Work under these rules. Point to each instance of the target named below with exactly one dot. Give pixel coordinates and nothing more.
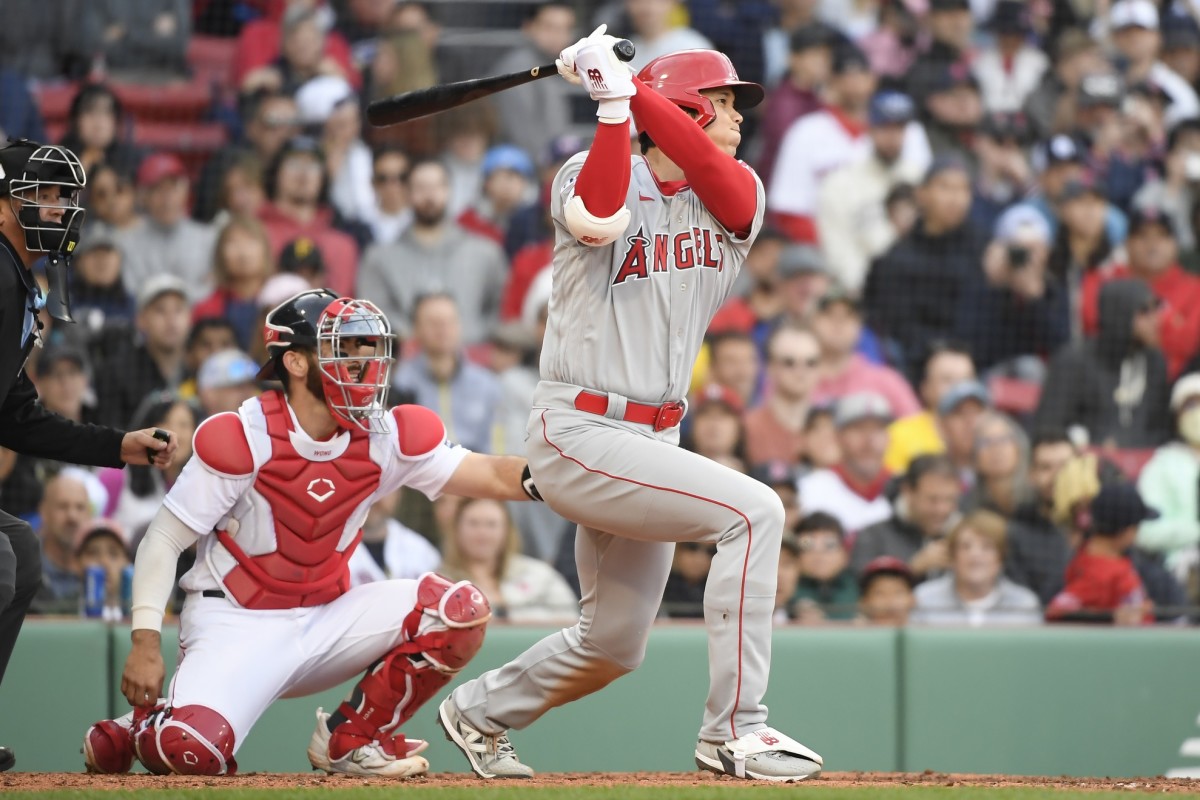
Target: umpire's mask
(44, 196)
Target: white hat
(1133, 14)
(1021, 224)
(281, 287)
(1186, 387)
(316, 99)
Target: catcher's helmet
(681, 76)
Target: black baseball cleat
(7, 759)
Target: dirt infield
(47, 781)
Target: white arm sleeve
(154, 568)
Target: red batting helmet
(681, 76)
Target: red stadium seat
(1129, 460)
(177, 102)
(1015, 396)
(211, 60)
(193, 142)
(54, 100)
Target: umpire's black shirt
(25, 426)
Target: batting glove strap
(527, 485)
(614, 111)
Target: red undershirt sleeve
(603, 182)
(725, 186)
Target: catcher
(275, 498)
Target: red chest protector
(310, 502)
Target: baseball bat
(423, 102)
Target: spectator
(439, 377)
(138, 493)
(755, 308)
(170, 242)
(1062, 161)
(226, 380)
(809, 64)
(99, 299)
(1038, 547)
(736, 29)
(951, 29)
(306, 48)
(242, 264)
(852, 490)
(733, 363)
(1135, 32)
(952, 112)
(65, 509)
(142, 42)
(1181, 49)
(1013, 309)
(484, 550)
(912, 294)
(654, 31)
(530, 229)
(298, 191)
(975, 592)
(1128, 143)
(838, 328)
(852, 220)
(822, 449)
(1101, 582)
(822, 141)
(1012, 68)
(512, 359)
(329, 111)
(1001, 460)
(827, 589)
(300, 259)
(683, 596)
(20, 116)
(792, 17)
(959, 412)
(1002, 170)
(270, 120)
(803, 280)
(98, 130)
(155, 362)
(435, 255)
(775, 429)
(1082, 244)
(946, 365)
(361, 23)
(507, 183)
(892, 46)
(532, 115)
(207, 336)
(1051, 106)
(389, 550)
(1175, 191)
(1153, 257)
(717, 431)
(1169, 482)
(923, 514)
(391, 213)
(104, 543)
(885, 592)
(35, 42)
(411, 56)
(466, 133)
(1114, 386)
(111, 203)
(788, 578)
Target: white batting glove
(566, 59)
(608, 79)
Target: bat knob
(624, 50)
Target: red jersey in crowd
(1098, 583)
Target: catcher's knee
(448, 624)
(187, 740)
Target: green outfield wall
(1060, 701)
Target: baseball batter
(274, 499)
(647, 248)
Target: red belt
(668, 415)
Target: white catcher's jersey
(206, 499)
(630, 317)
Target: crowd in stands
(964, 350)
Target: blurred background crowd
(965, 350)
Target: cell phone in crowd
(1018, 257)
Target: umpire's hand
(136, 443)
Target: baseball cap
(1185, 388)
(960, 393)
(1133, 14)
(1100, 89)
(1001, 126)
(891, 108)
(849, 58)
(317, 98)
(101, 527)
(1010, 17)
(953, 76)
(776, 473)
(947, 162)
(158, 167)
(159, 285)
(1063, 149)
(839, 294)
(1088, 183)
(301, 255)
(1022, 223)
(801, 259)
(1149, 215)
(52, 356)
(713, 394)
(96, 241)
(13, 158)
(884, 565)
(1181, 34)
(861, 406)
(507, 156)
(809, 36)
(1152, 89)
(949, 5)
(226, 368)
(279, 288)
(1119, 506)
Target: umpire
(40, 214)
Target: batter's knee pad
(188, 740)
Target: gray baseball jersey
(628, 319)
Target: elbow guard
(592, 230)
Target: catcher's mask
(353, 344)
(43, 183)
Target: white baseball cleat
(764, 755)
(490, 756)
(371, 760)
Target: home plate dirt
(44, 781)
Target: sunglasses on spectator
(791, 363)
(388, 177)
(696, 547)
(991, 441)
(278, 121)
